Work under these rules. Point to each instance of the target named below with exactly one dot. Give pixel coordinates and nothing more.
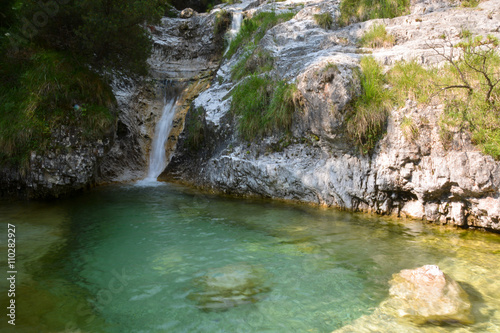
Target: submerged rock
(226, 287)
(427, 295)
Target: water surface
(143, 259)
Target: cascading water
(236, 24)
(157, 158)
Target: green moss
(376, 37)
(470, 3)
(352, 11)
(264, 106)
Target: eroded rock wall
(406, 175)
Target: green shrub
(264, 106)
(324, 20)
(39, 95)
(253, 29)
(352, 11)
(376, 37)
(368, 117)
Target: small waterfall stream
(157, 158)
(236, 24)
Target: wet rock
(427, 295)
(226, 287)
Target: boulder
(187, 13)
(427, 295)
(226, 287)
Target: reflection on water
(164, 259)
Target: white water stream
(157, 159)
(236, 24)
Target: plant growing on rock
(377, 37)
(255, 61)
(264, 106)
(474, 79)
(253, 29)
(222, 21)
(367, 118)
(352, 11)
(324, 20)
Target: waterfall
(157, 158)
(236, 24)
(235, 27)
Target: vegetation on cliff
(264, 106)
(352, 11)
(55, 62)
(253, 29)
(468, 86)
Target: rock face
(70, 164)
(427, 295)
(185, 51)
(412, 176)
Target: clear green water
(134, 259)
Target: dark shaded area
(198, 5)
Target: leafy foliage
(52, 59)
(468, 86)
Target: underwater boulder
(226, 287)
(427, 295)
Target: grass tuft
(368, 117)
(377, 37)
(253, 29)
(352, 11)
(264, 106)
(324, 20)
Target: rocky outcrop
(185, 51)
(412, 175)
(71, 163)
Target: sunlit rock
(426, 294)
(226, 287)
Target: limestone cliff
(419, 178)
